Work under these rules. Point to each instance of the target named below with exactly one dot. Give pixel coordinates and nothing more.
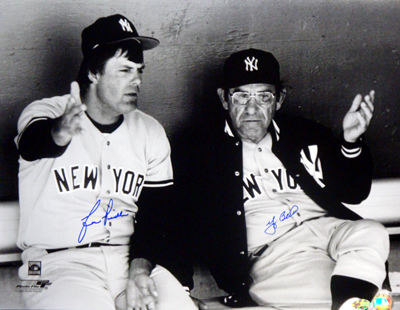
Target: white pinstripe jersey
(89, 193)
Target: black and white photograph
(200, 154)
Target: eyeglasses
(264, 98)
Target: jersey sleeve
(34, 140)
(348, 168)
(313, 154)
(357, 172)
(159, 172)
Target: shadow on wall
(52, 68)
(328, 52)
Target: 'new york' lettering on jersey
(86, 178)
(283, 182)
(57, 193)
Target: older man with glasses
(272, 224)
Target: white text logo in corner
(34, 268)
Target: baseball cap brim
(147, 43)
(110, 30)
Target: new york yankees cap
(250, 66)
(113, 29)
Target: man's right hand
(141, 293)
(70, 123)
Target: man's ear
(282, 97)
(221, 94)
(93, 77)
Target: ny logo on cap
(251, 64)
(125, 25)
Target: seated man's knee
(373, 227)
(375, 234)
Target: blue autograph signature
(273, 224)
(105, 217)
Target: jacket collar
(228, 129)
(276, 129)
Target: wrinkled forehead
(254, 88)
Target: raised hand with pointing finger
(69, 124)
(93, 145)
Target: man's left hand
(357, 119)
(201, 305)
(141, 293)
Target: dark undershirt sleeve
(159, 235)
(36, 141)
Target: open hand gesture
(69, 124)
(357, 119)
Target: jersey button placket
(108, 167)
(265, 174)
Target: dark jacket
(211, 187)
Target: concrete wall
(329, 51)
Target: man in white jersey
(85, 158)
(268, 198)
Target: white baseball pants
(92, 278)
(297, 267)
